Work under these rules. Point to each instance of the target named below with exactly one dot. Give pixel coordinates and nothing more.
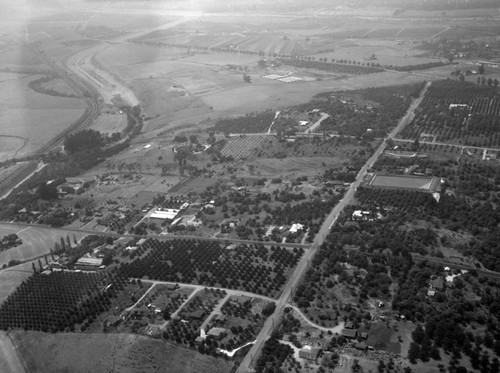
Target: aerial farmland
(249, 186)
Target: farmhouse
(426, 184)
(437, 283)
(349, 333)
(71, 186)
(309, 353)
(196, 315)
(217, 333)
(360, 214)
(220, 318)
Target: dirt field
(97, 353)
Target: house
(71, 186)
(220, 318)
(195, 315)
(359, 214)
(199, 340)
(437, 284)
(309, 353)
(363, 335)
(349, 333)
(217, 333)
(349, 325)
(296, 227)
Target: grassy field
(109, 353)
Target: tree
(108, 259)
(247, 78)
(416, 145)
(413, 352)
(356, 368)
(166, 314)
(47, 192)
(481, 69)
(269, 309)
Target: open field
(32, 117)
(186, 89)
(110, 121)
(36, 241)
(109, 352)
(10, 361)
(11, 146)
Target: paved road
(300, 270)
(10, 361)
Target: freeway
(305, 262)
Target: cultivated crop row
(59, 300)
(458, 111)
